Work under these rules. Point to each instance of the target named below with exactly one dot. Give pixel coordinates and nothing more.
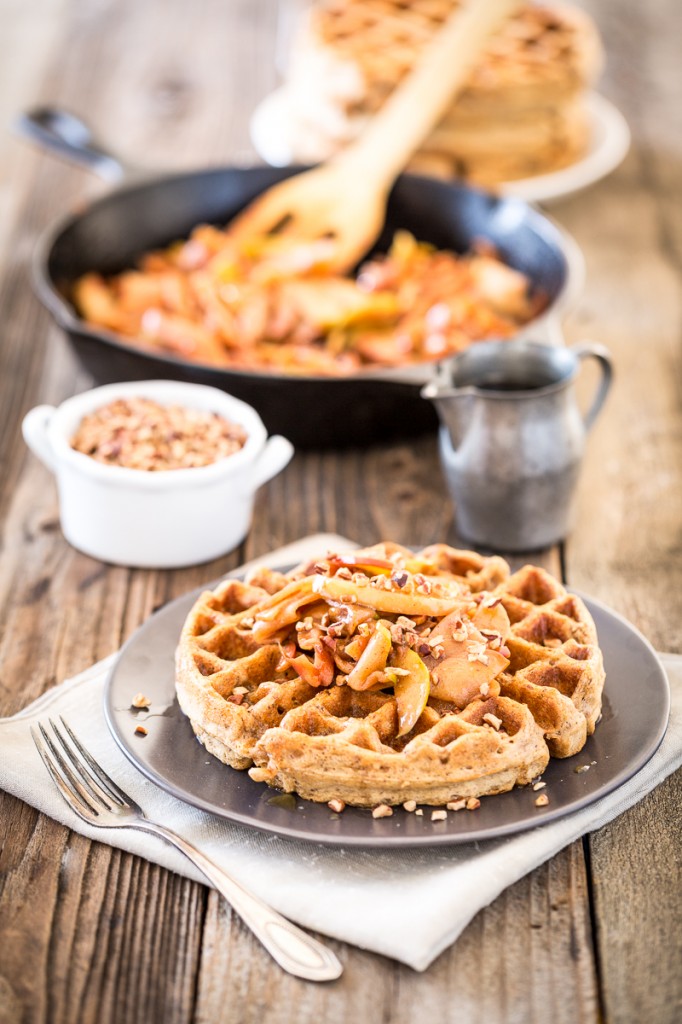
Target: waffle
(522, 110)
(387, 675)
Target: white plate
(610, 142)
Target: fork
(96, 798)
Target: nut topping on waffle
(386, 676)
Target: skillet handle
(67, 136)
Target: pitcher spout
(453, 406)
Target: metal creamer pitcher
(512, 438)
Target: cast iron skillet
(149, 212)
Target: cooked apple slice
(362, 561)
(459, 681)
(373, 659)
(492, 619)
(393, 602)
(505, 289)
(411, 690)
(281, 609)
(468, 666)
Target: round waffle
(385, 676)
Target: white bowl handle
(274, 457)
(34, 429)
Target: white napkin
(409, 905)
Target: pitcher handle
(589, 350)
(67, 136)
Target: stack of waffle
(522, 112)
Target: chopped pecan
(382, 811)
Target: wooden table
(88, 933)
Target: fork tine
(114, 791)
(72, 770)
(70, 794)
(98, 794)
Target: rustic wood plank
(68, 960)
(88, 933)
(20, 78)
(626, 549)
(636, 879)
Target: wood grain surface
(91, 934)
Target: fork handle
(293, 949)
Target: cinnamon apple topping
(278, 307)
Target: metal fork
(96, 798)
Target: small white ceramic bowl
(164, 519)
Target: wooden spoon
(344, 200)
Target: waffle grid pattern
(250, 709)
(522, 112)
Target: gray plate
(635, 715)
